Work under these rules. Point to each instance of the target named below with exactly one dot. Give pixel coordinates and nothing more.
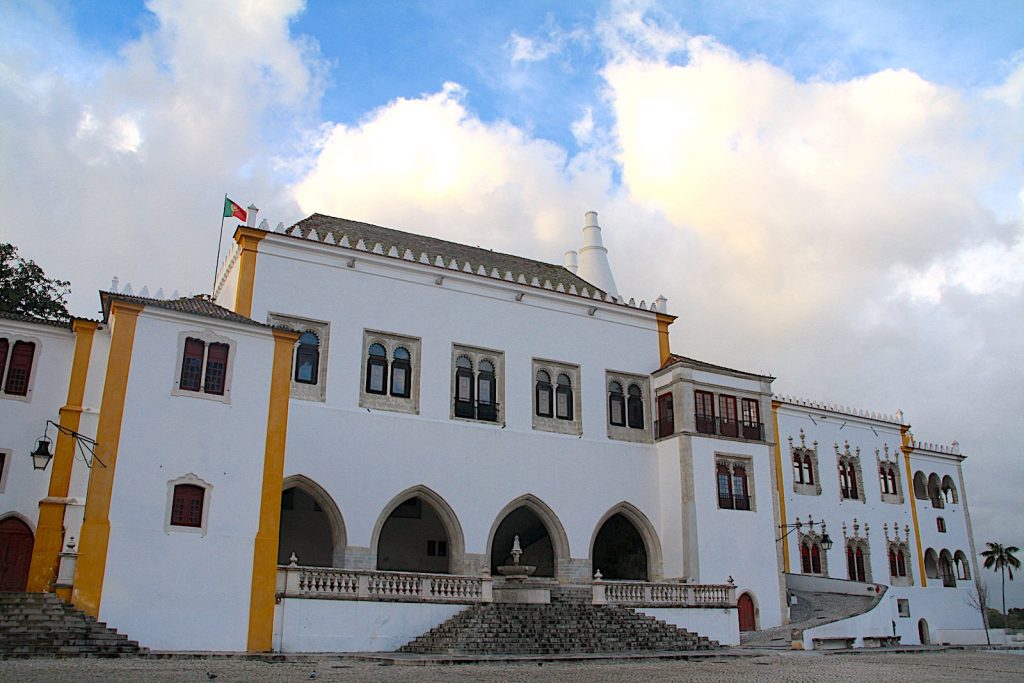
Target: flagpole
(220, 238)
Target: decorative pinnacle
(517, 550)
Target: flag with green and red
(232, 209)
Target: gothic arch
(21, 518)
(646, 530)
(339, 536)
(450, 521)
(556, 532)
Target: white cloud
(553, 41)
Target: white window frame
(390, 341)
(322, 330)
(193, 480)
(36, 353)
(208, 337)
(625, 432)
(554, 423)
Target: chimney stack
(251, 216)
(593, 259)
(572, 264)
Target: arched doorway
(619, 550)
(745, 609)
(16, 543)
(311, 525)
(922, 632)
(414, 539)
(534, 539)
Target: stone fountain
(516, 588)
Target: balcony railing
(663, 594)
(723, 426)
(354, 584)
(734, 502)
(476, 410)
(664, 428)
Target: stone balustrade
(642, 593)
(353, 584)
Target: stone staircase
(569, 625)
(39, 624)
(811, 609)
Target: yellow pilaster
(664, 321)
(907, 449)
(42, 571)
(92, 557)
(248, 242)
(264, 561)
(779, 485)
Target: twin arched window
(377, 371)
(803, 469)
(848, 479)
(625, 409)
(856, 566)
(810, 556)
(476, 393)
(554, 400)
(887, 479)
(897, 560)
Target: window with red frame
(727, 423)
(19, 367)
(751, 419)
(204, 367)
(704, 406)
(187, 505)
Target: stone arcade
(364, 432)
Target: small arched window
(805, 557)
(463, 387)
(962, 571)
(815, 559)
(893, 486)
(635, 407)
(187, 506)
(401, 372)
(616, 405)
(808, 470)
(563, 398)
(893, 569)
(544, 394)
(376, 369)
(901, 563)
(307, 359)
(487, 408)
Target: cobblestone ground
(974, 666)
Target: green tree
(1002, 559)
(25, 289)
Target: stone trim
(391, 341)
(555, 424)
(322, 330)
(643, 434)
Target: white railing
(663, 594)
(356, 584)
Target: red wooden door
(745, 607)
(15, 554)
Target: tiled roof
(21, 317)
(676, 358)
(195, 305)
(432, 251)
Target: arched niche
(410, 531)
(613, 546)
(541, 535)
(311, 525)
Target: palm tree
(1001, 558)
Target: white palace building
(338, 450)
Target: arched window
(401, 372)
(935, 491)
(376, 369)
(949, 490)
(486, 392)
(848, 480)
(739, 488)
(963, 571)
(901, 563)
(891, 477)
(464, 387)
(815, 559)
(187, 506)
(544, 397)
(805, 557)
(798, 469)
(307, 359)
(893, 569)
(808, 470)
(19, 368)
(616, 405)
(563, 398)
(724, 486)
(883, 479)
(635, 407)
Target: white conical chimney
(572, 263)
(594, 266)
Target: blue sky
(832, 193)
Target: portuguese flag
(232, 209)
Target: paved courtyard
(974, 666)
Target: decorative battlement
(117, 288)
(226, 265)
(896, 418)
(327, 236)
(952, 449)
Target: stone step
(39, 624)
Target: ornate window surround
(813, 540)
(854, 543)
(803, 452)
(846, 459)
(555, 424)
(193, 480)
(888, 465)
(208, 337)
(624, 432)
(896, 547)
(391, 341)
(731, 462)
(322, 330)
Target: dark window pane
(192, 365)
(20, 368)
(216, 369)
(187, 505)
